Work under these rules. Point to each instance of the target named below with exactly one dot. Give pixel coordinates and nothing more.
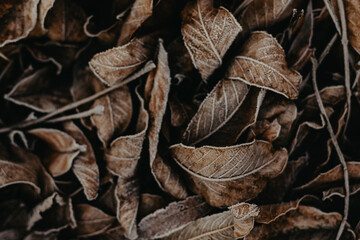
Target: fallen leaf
(17, 19)
(62, 151)
(228, 175)
(157, 88)
(220, 119)
(261, 63)
(64, 22)
(232, 224)
(331, 178)
(140, 11)
(174, 217)
(21, 167)
(90, 220)
(265, 130)
(116, 116)
(208, 33)
(42, 9)
(115, 64)
(304, 222)
(352, 11)
(127, 196)
(149, 203)
(125, 151)
(40, 92)
(262, 14)
(84, 167)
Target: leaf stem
(337, 148)
(148, 67)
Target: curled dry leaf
(21, 167)
(232, 224)
(127, 196)
(208, 33)
(17, 19)
(157, 88)
(124, 152)
(43, 8)
(304, 222)
(116, 116)
(84, 167)
(265, 130)
(352, 10)
(63, 149)
(226, 112)
(228, 175)
(340, 191)
(37, 92)
(174, 217)
(261, 14)
(332, 178)
(65, 21)
(140, 11)
(90, 220)
(261, 63)
(116, 64)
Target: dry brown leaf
(90, 220)
(84, 167)
(333, 177)
(262, 14)
(124, 152)
(208, 33)
(63, 149)
(116, 116)
(140, 11)
(303, 223)
(117, 63)
(17, 19)
(40, 91)
(42, 10)
(228, 175)
(232, 224)
(352, 10)
(64, 22)
(21, 167)
(261, 63)
(157, 88)
(265, 130)
(340, 191)
(181, 113)
(174, 217)
(221, 117)
(127, 196)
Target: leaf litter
(179, 119)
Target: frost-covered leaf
(261, 63)
(208, 33)
(228, 175)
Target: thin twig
(322, 57)
(333, 16)
(98, 110)
(148, 67)
(337, 148)
(344, 41)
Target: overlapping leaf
(208, 33)
(227, 175)
(261, 63)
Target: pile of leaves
(142, 119)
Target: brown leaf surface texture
(165, 176)
(84, 167)
(227, 175)
(208, 33)
(117, 63)
(261, 63)
(352, 9)
(17, 19)
(64, 149)
(174, 217)
(124, 152)
(140, 11)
